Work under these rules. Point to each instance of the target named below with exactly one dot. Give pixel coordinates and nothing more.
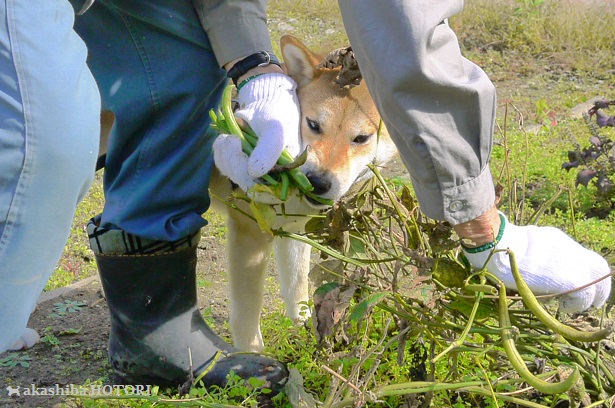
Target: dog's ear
(299, 62)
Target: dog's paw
(252, 346)
(300, 314)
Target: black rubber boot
(157, 329)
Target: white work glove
(269, 104)
(549, 262)
(233, 163)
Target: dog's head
(339, 126)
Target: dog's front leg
(293, 264)
(249, 250)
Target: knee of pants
(48, 76)
(67, 136)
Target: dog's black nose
(320, 182)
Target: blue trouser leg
(49, 127)
(157, 74)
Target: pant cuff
(119, 242)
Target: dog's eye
(361, 139)
(313, 125)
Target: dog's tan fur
(341, 147)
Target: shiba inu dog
(341, 128)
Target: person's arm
(235, 28)
(267, 96)
(438, 107)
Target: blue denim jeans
(157, 73)
(49, 128)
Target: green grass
(568, 35)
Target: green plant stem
(157, 400)
(507, 398)
(415, 232)
(229, 116)
(461, 339)
(516, 360)
(552, 323)
(602, 403)
(320, 247)
(419, 387)
(541, 209)
(572, 217)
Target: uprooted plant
(402, 319)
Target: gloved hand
(549, 262)
(233, 163)
(269, 104)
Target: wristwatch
(259, 59)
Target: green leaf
(255, 382)
(361, 309)
(69, 331)
(264, 215)
(464, 306)
(326, 288)
(357, 247)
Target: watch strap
(258, 59)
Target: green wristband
(245, 81)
